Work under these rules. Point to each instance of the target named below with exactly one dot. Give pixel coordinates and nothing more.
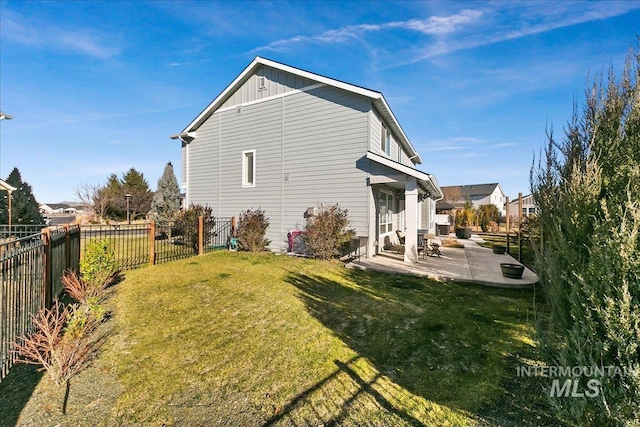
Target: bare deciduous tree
(94, 197)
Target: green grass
(277, 341)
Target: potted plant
(464, 218)
(499, 249)
(512, 271)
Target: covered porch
(402, 200)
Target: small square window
(262, 83)
(249, 168)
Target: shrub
(464, 217)
(98, 267)
(327, 233)
(186, 224)
(587, 188)
(252, 227)
(62, 355)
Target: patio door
(401, 215)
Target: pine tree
(24, 208)
(166, 200)
(135, 184)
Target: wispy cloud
(457, 143)
(46, 35)
(432, 26)
(439, 35)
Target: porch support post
(411, 222)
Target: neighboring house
(479, 194)
(57, 208)
(529, 206)
(286, 140)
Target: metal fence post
(67, 247)
(152, 243)
(48, 282)
(200, 235)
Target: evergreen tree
(587, 187)
(166, 200)
(113, 193)
(24, 208)
(135, 184)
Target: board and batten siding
(312, 138)
(276, 82)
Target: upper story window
(249, 168)
(388, 144)
(385, 140)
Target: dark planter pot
(512, 271)
(498, 249)
(463, 233)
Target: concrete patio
(473, 264)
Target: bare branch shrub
(327, 233)
(252, 227)
(61, 355)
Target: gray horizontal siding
(315, 137)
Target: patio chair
(430, 248)
(401, 237)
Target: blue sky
(97, 87)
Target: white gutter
(422, 176)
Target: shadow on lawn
(16, 390)
(446, 343)
(336, 408)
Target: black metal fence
(129, 242)
(31, 269)
(19, 230)
(155, 243)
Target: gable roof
(474, 189)
(376, 97)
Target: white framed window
(388, 144)
(383, 138)
(385, 214)
(249, 168)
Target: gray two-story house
(287, 140)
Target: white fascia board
(422, 176)
(382, 104)
(237, 82)
(7, 187)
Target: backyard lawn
(242, 339)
